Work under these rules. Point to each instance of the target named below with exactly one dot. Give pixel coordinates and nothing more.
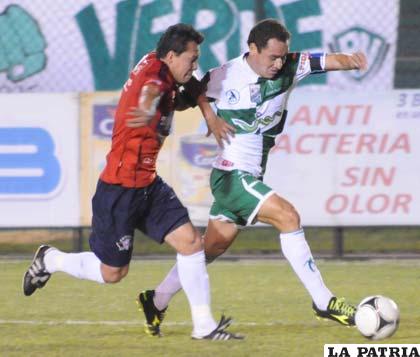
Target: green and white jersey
(256, 107)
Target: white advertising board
(39, 160)
(350, 158)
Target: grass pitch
(70, 317)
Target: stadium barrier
(344, 159)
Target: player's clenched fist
(359, 60)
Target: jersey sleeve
(214, 84)
(309, 63)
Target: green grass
(80, 318)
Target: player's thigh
(279, 213)
(113, 224)
(165, 213)
(219, 236)
(185, 239)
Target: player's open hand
(139, 118)
(221, 130)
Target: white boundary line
(125, 323)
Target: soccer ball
(377, 317)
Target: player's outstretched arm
(146, 109)
(220, 129)
(345, 61)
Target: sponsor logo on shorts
(125, 243)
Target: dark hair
(266, 30)
(176, 38)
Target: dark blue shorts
(117, 211)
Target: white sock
(297, 252)
(167, 289)
(84, 265)
(195, 282)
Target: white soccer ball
(377, 317)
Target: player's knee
(114, 276)
(196, 244)
(190, 244)
(214, 249)
(294, 218)
(290, 220)
(195, 239)
(210, 258)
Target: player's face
(183, 65)
(267, 62)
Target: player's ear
(170, 56)
(253, 48)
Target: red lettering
(401, 202)
(369, 176)
(330, 115)
(299, 144)
(325, 141)
(401, 143)
(351, 174)
(283, 144)
(343, 144)
(383, 144)
(324, 112)
(336, 204)
(374, 204)
(379, 175)
(378, 203)
(352, 112)
(343, 141)
(355, 208)
(366, 118)
(366, 141)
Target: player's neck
(251, 63)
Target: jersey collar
(248, 71)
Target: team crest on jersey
(255, 93)
(232, 96)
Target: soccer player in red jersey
(130, 195)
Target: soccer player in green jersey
(250, 94)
